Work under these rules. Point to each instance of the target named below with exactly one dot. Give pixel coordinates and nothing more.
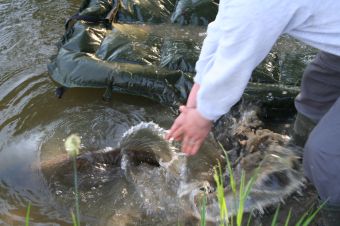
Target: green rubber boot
(302, 128)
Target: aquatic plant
(230, 209)
(203, 211)
(309, 216)
(72, 146)
(243, 192)
(27, 218)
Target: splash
(155, 167)
(262, 155)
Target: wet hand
(191, 128)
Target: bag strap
(107, 21)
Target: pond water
(34, 124)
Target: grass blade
(305, 219)
(203, 210)
(311, 217)
(231, 172)
(244, 191)
(249, 219)
(274, 221)
(74, 220)
(302, 219)
(220, 194)
(288, 217)
(28, 211)
(76, 190)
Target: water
(34, 124)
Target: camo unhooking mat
(149, 48)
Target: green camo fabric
(149, 48)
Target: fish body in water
(150, 162)
(164, 181)
(143, 143)
(153, 166)
(60, 168)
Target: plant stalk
(76, 190)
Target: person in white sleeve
(241, 36)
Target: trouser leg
(321, 159)
(321, 163)
(319, 104)
(320, 88)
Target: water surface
(34, 124)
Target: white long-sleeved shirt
(244, 32)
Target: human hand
(191, 128)
(180, 120)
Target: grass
(203, 210)
(72, 146)
(308, 217)
(76, 220)
(241, 193)
(28, 211)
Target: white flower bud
(72, 145)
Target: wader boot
(302, 128)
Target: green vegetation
(72, 146)
(308, 217)
(241, 193)
(203, 210)
(28, 211)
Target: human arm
(238, 41)
(191, 102)
(245, 32)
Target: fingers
(183, 109)
(176, 134)
(175, 131)
(190, 146)
(196, 147)
(191, 128)
(186, 145)
(173, 128)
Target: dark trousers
(319, 100)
